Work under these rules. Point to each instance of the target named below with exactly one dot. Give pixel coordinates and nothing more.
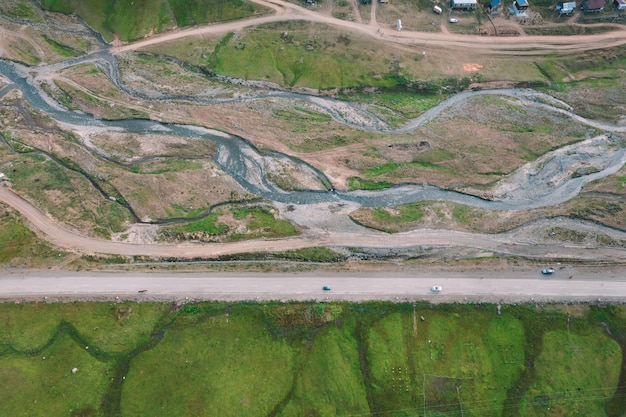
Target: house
(495, 7)
(519, 8)
(593, 6)
(521, 5)
(620, 4)
(463, 4)
(566, 8)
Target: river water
(241, 160)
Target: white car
(436, 288)
(453, 20)
(547, 271)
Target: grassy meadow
(134, 19)
(21, 247)
(313, 359)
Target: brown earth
(238, 118)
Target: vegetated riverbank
(377, 162)
(283, 359)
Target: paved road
(472, 286)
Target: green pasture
(357, 183)
(105, 327)
(21, 247)
(394, 219)
(563, 385)
(300, 54)
(133, 19)
(41, 383)
(20, 9)
(225, 364)
(262, 223)
(193, 12)
(61, 49)
(396, 106)
(294, 359)
(208, 224)
(330, 381)
(258, 222)
(166, 165)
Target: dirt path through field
(509, 244)
(525, 45)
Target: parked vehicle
(453, 20)
(437, 10)
(547, 271)
(326, 288)
(436, 288)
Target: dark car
(326, 288)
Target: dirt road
(499, 244)
(518, 45)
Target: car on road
(547, 271)
(326, 288)
(453, 20)
(436, 288)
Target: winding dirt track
(519, 45)
(502, 244)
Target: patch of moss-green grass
(391, 167)
(168, 165)
(128, 19)
(299, 58)
(60, 49)
(193, 12)
(392, 220)
(298, 321)
(469, 360)
(357, 183)
(408, 104)
(208, 225)
(23, 10)
(262, 223)
(330, 381)
(223, 365)
(300, 114)
(388, 356)
(21, 247)
(109, 327)
(322, 143)
(42, 383)
(318, 254)
(575, 375)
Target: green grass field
(133, 19)
(21, 247)
(318, 359)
